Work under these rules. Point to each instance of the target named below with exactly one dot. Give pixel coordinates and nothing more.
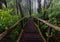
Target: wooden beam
(20, 35)
(40, 33)
(49, 24)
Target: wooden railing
(19, 37)
(40, 33)
(3, 34)
(48, 24)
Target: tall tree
(39, 6)
(30, 7)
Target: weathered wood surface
(30, 34)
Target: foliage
(6, 19)
(52, 16)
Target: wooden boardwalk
(30, 33)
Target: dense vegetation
(6, 19)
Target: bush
(6, 19)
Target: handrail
(17, 22)
(40, 33)
(20, 35)
(3, 34)
(49, 24)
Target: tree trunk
(39, 6)
(30, 7)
